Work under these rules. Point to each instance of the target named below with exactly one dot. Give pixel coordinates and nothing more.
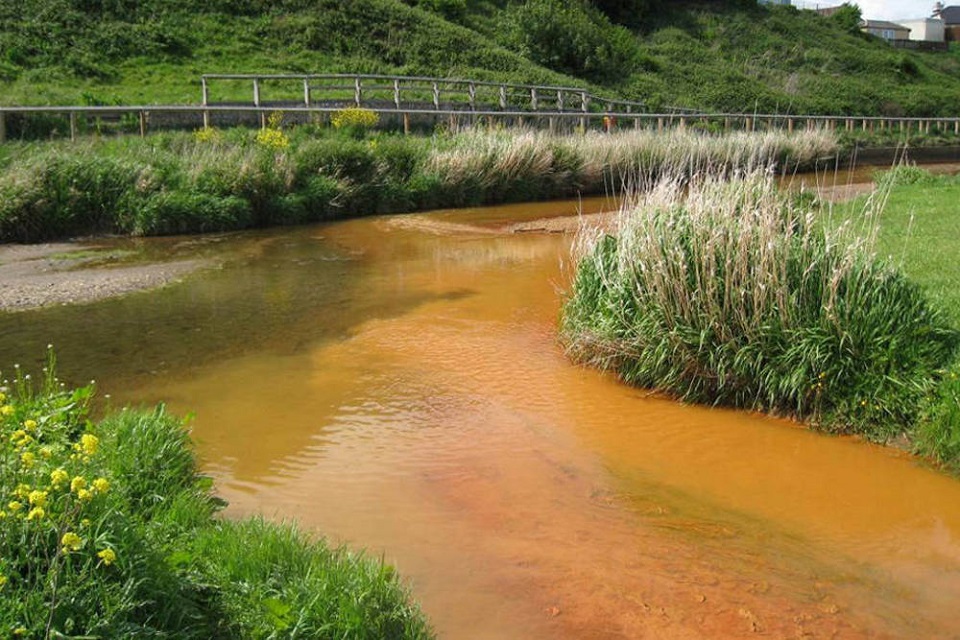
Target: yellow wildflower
(89, 443)
(14, 506)
(108, 556)
(78, 482)
(46, 452)
(3, 578)
(22, 490)
(3, 396)
(6, 410)
(71, 541)
(3, 514)
(20, 631)
(38, 498)
(30, 425)
(58, 477)
(36, 513)
(100, 485)
(85, 522)
(85, 494)
(28, 458)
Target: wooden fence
(455, 102)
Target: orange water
(396, 385)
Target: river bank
(219, 181)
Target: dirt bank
(33, 276)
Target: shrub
(938, 433)
(570, 37)
(734, 294)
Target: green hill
(718, 55)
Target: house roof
(883, 24)
(950, 15)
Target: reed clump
(730, 292)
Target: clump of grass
(733, 293)
(108, 530)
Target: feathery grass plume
(730, 292)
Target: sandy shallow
(41, 275)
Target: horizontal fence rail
(407, 100)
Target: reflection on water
(396, 384)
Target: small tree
(848, 17)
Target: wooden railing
(457, 102)
(419, 91)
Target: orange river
(396, 384)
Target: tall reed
(730, 292)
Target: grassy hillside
(724, 55)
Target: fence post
(73, 125)
(659, 124)
(956, 126)
(396, 94)
(584, 107)
(503, 98)
(436, 96)
(256, 92)
(790, 125)
(472, 94)
(306, 93)
(357, 91)
(206, 101)
(406, 124)
(533, 98)
(143, 123)
(3, 127)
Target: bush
(938, 433)
(570, 37)
(733, 294)
(107, 530)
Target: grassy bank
(215, 181)
(720, 55)
(919, 227)
(107, 530)
(733, 293)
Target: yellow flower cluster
(354, 118)
(207, 135)
(273, 139)
(44, 485)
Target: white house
(925, 29)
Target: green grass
(733, 293)
(919, 231)
(215, 181)
(108, 530)
(726, 55)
